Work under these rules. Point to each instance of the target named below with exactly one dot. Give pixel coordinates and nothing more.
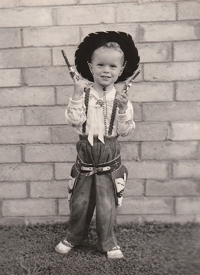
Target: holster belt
(90, 169)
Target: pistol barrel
(72, 72)
(66, 60)
(129, 83)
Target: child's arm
(75, 113)
(124, 116)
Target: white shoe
(115, 253)
(63, 247)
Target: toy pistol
(72, 71)
(129, 83)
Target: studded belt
(90, 169)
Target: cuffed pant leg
(105, 212)
(82, 206)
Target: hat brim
(96, 40)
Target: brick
(63, 94)
(21, 134)
(147, 170)
(154, 52)
(63, 170)
(168, 150)
(172, 188)
(169, 218)
(43, 36)
(23, 172)
(29, 207)
(9, 154)
(146, 12)
(58, 57)
(148, 132)
(11, 117)
(25, 17)
(171, 111)
(27, 96)
(188, 10)
(8, 4)
(172, 71)
(197, 219)
(133, 29)
(12, 221)
(50, 153)
(47, 76)
(187, 51)
(169, 31)
(187, 206)
(65, 134)
(9, 78)
(45, 189)
(134, 188)
(186, 91)
(185, 131)
(81, 15)
(147, 92)
(186, 169)
(46, 2)
(63, 206)
(103, 1)
(13, 190)
(10, 38)
(143, 206)
(16, 58)
(45, 115)
(137, 112)
(129, 151)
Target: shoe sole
(116, 257)
(57, 250)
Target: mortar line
(57, 207)
(145, 188)
(174, 206)
(28, 190)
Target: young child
(99, 114)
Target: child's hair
(113, 45)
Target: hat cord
(105, 111)
(114, 109)
(87, 93)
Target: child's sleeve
(75, 113)
(125, 123)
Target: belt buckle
(99, 169)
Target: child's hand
(122, 100)
(79, 87)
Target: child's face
(106, 65)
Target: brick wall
(37, 149)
